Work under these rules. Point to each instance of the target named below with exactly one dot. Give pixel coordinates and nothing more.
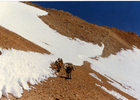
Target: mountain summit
(33, 37)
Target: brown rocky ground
(74, 27)
(82, 85)
(10, 40)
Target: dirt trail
(81, 86)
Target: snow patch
(95, 76)
(26, 23)
(19, 67)
(112, 92)
(124, 67)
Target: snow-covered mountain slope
(34, 67)
(124, 68)
(27, 24)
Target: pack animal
(58, 63)
(69, 67)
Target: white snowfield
(124, 68)
(19, 67)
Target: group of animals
(69, 67)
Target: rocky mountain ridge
(74, 27)
(82, 85)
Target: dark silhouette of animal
(58, 63)
(69, 67)
(0, 53)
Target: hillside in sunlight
(74, 27)
(32, 38)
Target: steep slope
(10, 40)
(74, 27)
(82, 85)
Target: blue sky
(124, 15)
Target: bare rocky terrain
(82, 86)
